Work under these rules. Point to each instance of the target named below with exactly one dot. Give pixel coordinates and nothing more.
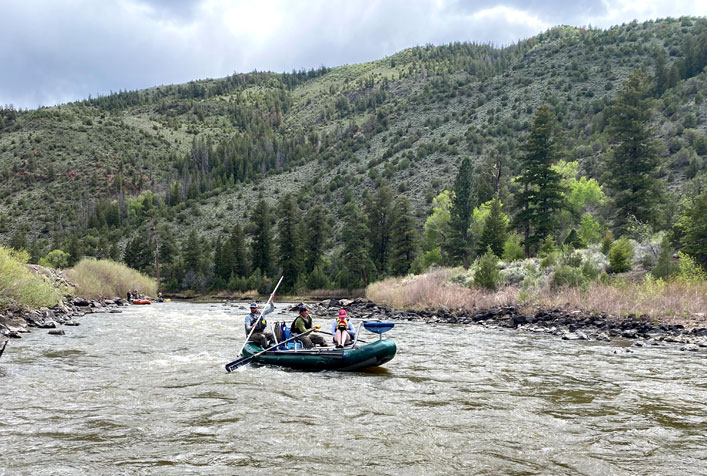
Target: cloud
(56, 51)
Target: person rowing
(257, 327)
(303, 323)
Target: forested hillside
(339, 176)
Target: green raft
(359, 357)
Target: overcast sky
(54, 51)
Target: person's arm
(333, 327)
(270, 308)
(352, 329)
(298, 326)
(248, 323)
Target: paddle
(231, 366)
(252, 328)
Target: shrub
(568, 276)
(19, 285)
(488, 276)
(512, 249)
(689, 271)
(620, 256)
(96, 279)
(607, 242)
(55, 259)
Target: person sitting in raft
(259, 325)
(342, 329)
(303, 323)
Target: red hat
(342, 313)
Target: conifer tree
(633, 163)
(542, 195)
(495, 231)
(288, 242)
(458, 246)
(261, 246)
(238, 248)
(316, 237)
(379, 208)
(358, 269)
(404, 244)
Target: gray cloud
(56, 51)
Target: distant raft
(142, 301)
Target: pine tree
(458, 246)
(237, 247)
(379, 208)
(542, 195)
(495, 231)
(633, 163)
(316, 237)
(261, 245)
(288, 242)
(358, 269)
(404, 245)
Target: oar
(252, 328)
(231, 366)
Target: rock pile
(15, 322)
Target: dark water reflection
(144, 392)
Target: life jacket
(307, 323)
(342, 323)
(261, 325)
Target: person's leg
(306, 341)
(317, 339)
(346, 338)
(338, 337)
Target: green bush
(568, 276)
(512, 249)
(19, 285)
(55, 259)
(620, 256)
(488, 276)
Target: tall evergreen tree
(358, 269)
(290, 258)
(316, 237)
(542, 195)
(238, 248)
(379, 208)
(633, 163)
(404, 243)
(261, 246)
(495, 231)
(458, 246)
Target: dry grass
(18, 285)
(676, 302)
(95, 279)
(433, 290)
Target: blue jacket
(252, 317)
(351, 330)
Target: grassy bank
(674, 302)
(96, 279)
(21, 287)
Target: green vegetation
(20, 287)
(95, 279)
(328, 175)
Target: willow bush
(18, 285)
(95, 279)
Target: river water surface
(145, 392)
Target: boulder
(57, 332)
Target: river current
(144, 392)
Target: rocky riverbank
(15, 322)
(565, 324)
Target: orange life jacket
(342, 323)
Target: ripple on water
(144, 392)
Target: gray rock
(689, 348)
(57, 332)
(604, 337)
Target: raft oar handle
(231, 366)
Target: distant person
(259, 325)
(303, 323)
(130, 296)
(342, 329)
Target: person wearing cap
(342, 329)
(260, 335)
(303, 323)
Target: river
(144, 392)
